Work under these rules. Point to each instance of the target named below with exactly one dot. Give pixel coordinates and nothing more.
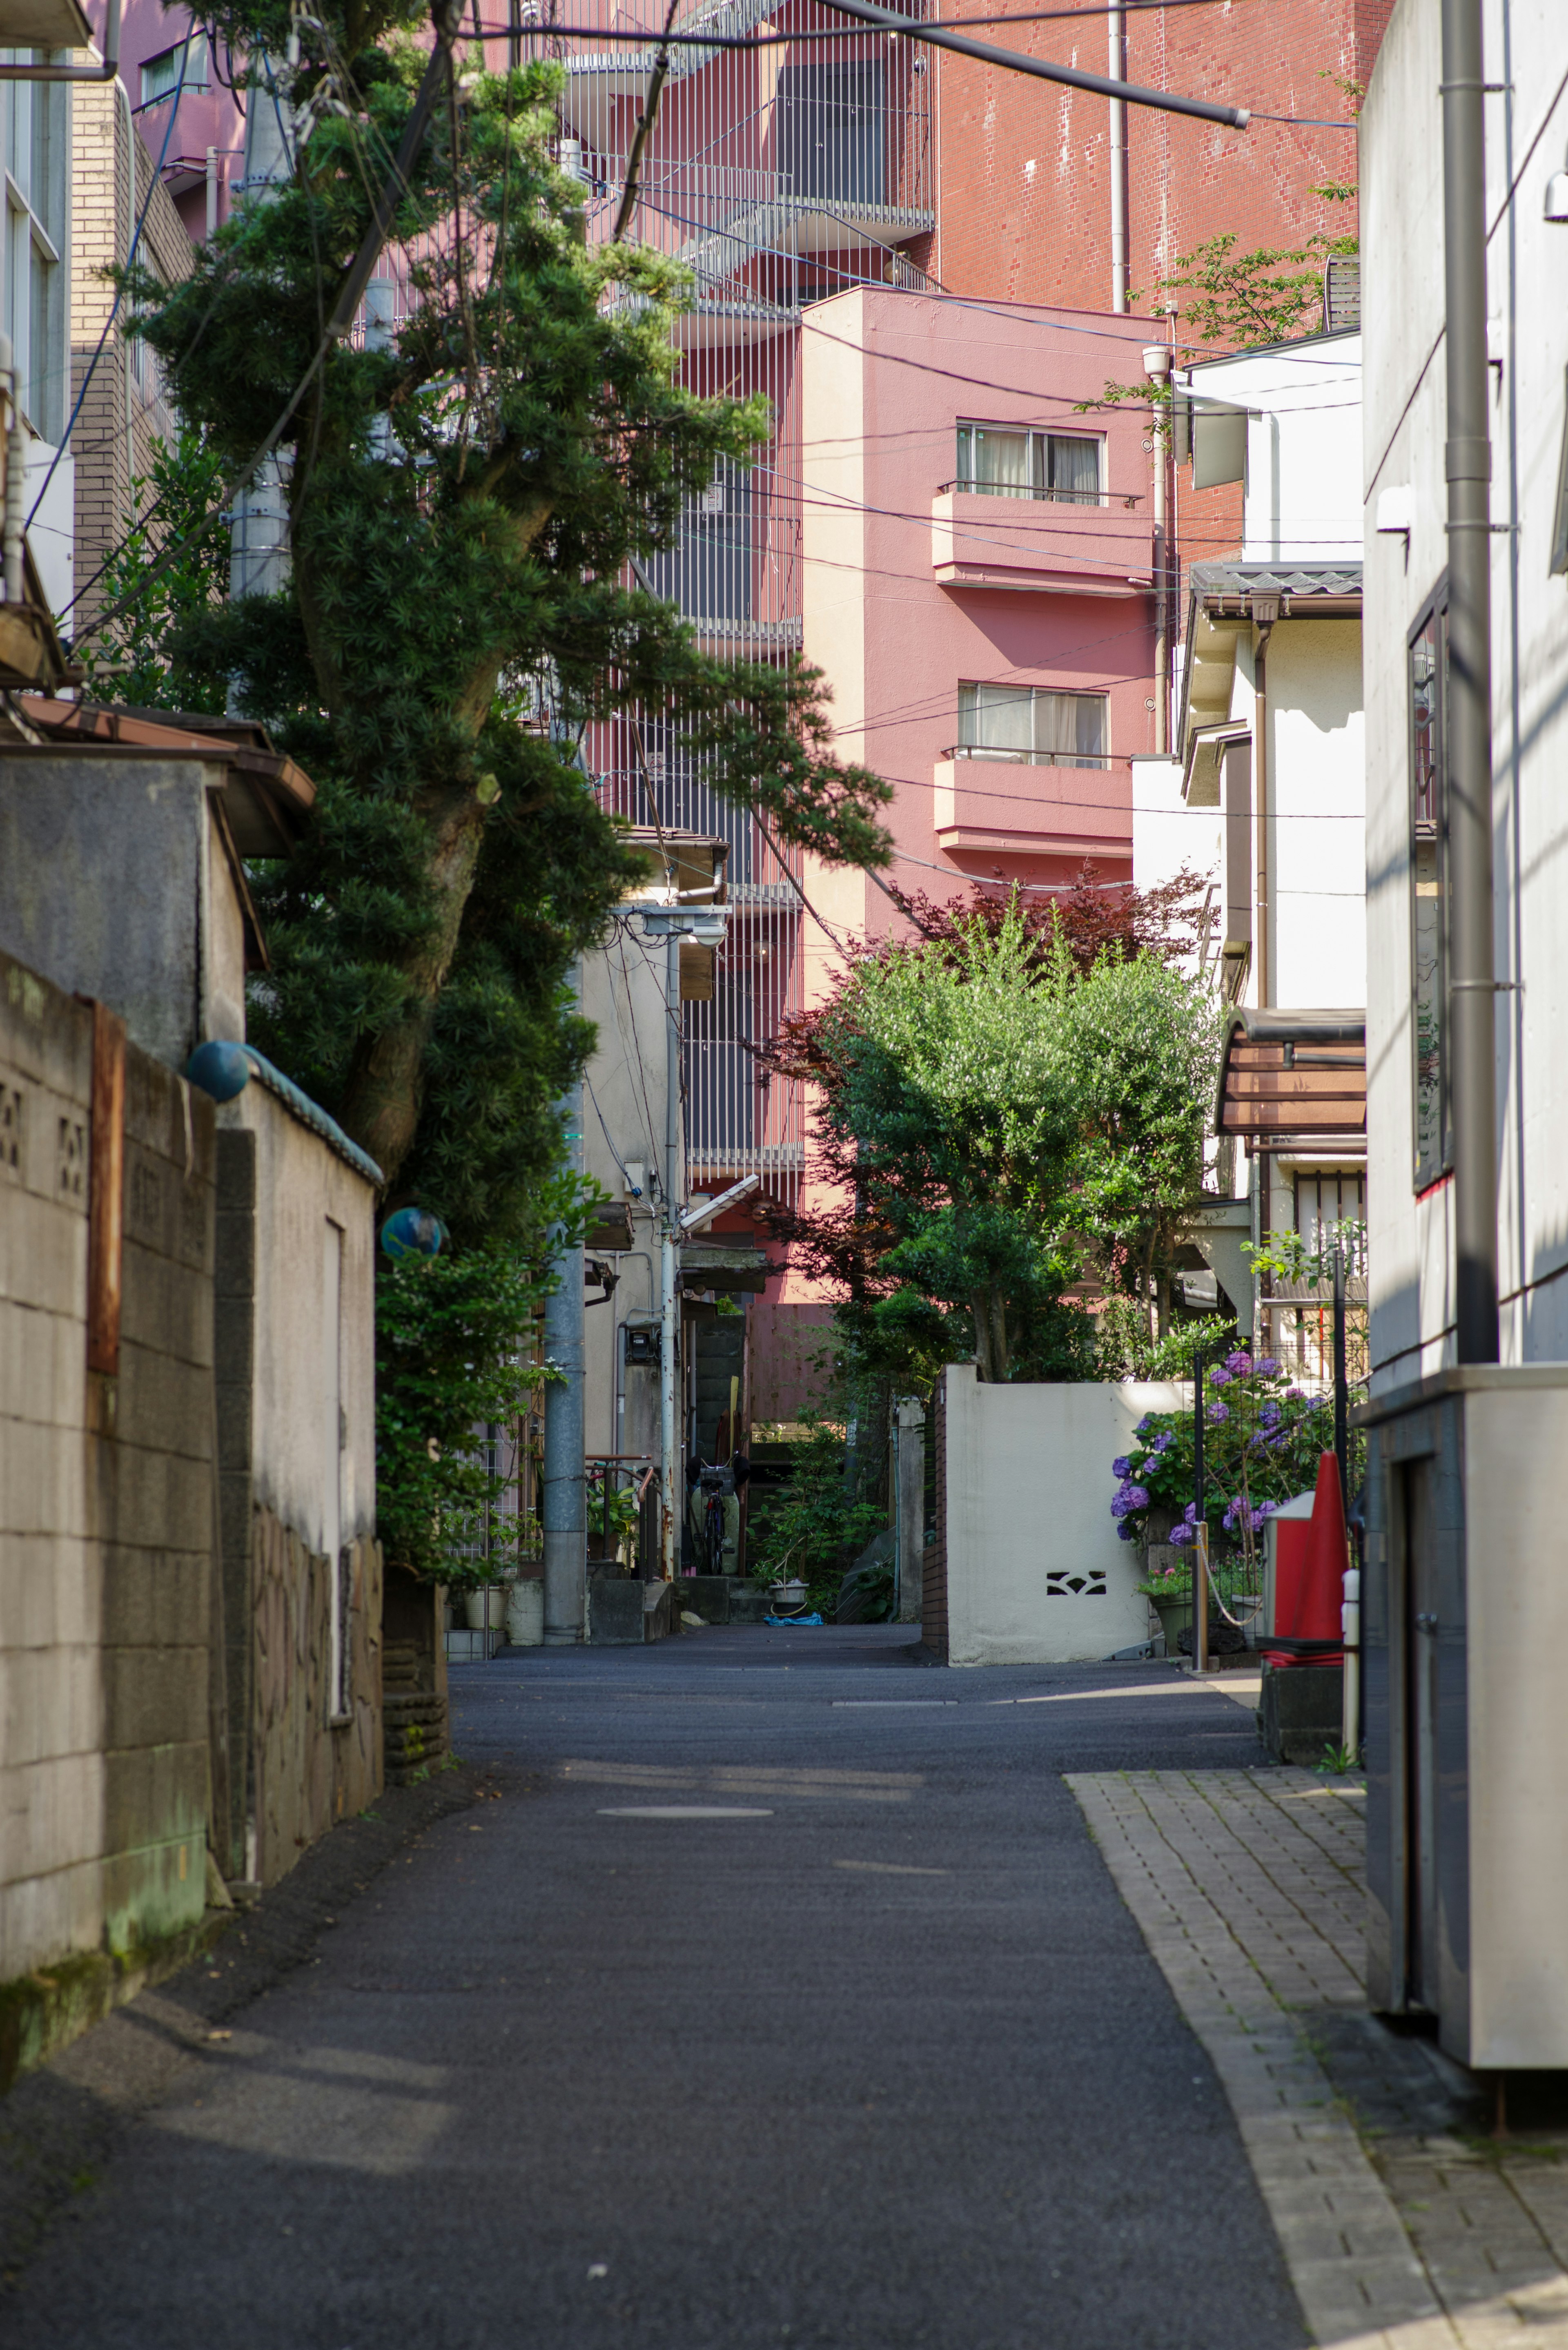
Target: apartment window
(1005, 461)
(161, 74)
(1429, 892)
(33, 125)
(1026, 724)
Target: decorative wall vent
(1063, 1583)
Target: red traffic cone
(1309, 1588)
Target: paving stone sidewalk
(1405, 2226)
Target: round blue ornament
(412, 1232)
(220, 1070)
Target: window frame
(1003, 755)
(963, 463)
(197, 74)
(1430, 1162)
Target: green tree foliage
(809, 1527)
(463, 508)
(136, 659)
(1013, 1119)
(449, 1360)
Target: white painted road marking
(1243, 1688)
(890, 1868)
(684, 1812)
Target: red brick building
(1023, 175)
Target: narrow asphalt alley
(781, 1998)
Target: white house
(1466, 1607)
(1265, 792)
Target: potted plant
(1168, 1590)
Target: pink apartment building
(977, 574)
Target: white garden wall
(1036, 1573)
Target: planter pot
(473, 1603)
(1175, 1617)
(787, 1598)
(525, 1612)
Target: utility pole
(564, 1502)
(1471, 1008)
(1116, 26)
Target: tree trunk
(990, 1310)
(385, 1091)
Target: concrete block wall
(1033, 1570)
(107, 1503)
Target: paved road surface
(782, 1999)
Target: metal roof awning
(1289, 1079)
(267, 800)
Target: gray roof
(1272, 578)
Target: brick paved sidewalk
(1404, 2226)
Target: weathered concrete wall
(112, 883)
(1035, 1572)
(106, 1502)
(301, 1569)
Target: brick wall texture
(1022, 168)
(107, 1503)
(103, 220)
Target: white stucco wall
(1029, 1491)
(302, 1186)
(1401, 202)
(1303, 446)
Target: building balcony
(1041, 545)
(1023, 809)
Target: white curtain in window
(997, 719)
(1075, 466)
(1001, 461)
(1069, 728)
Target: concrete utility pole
(564, 1500)
(672, 1470)
(1117, 26)
(1472, 1020)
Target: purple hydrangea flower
(1241, 1363)
(1268, 1368)
(1142, 1427)
(1181, 1535)
(1217, 1411)
(1163, 1441)
(1219, 1376)
(1295, 1395)
(1126, 1533)
(1121, 1466)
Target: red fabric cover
(1310, 1560)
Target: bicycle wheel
(715, 1537)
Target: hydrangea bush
(1262, 1439)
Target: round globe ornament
(413, 1231)
(219, 1069)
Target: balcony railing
(992, 752)
(1028, 489)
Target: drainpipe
(1471, 1013)
(1117, 26)
(671, 1467)
(125, 339)
(1157, 361)
(13, 529)
(1265, 612)
(564, 1502)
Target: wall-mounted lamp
(1556, 208)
